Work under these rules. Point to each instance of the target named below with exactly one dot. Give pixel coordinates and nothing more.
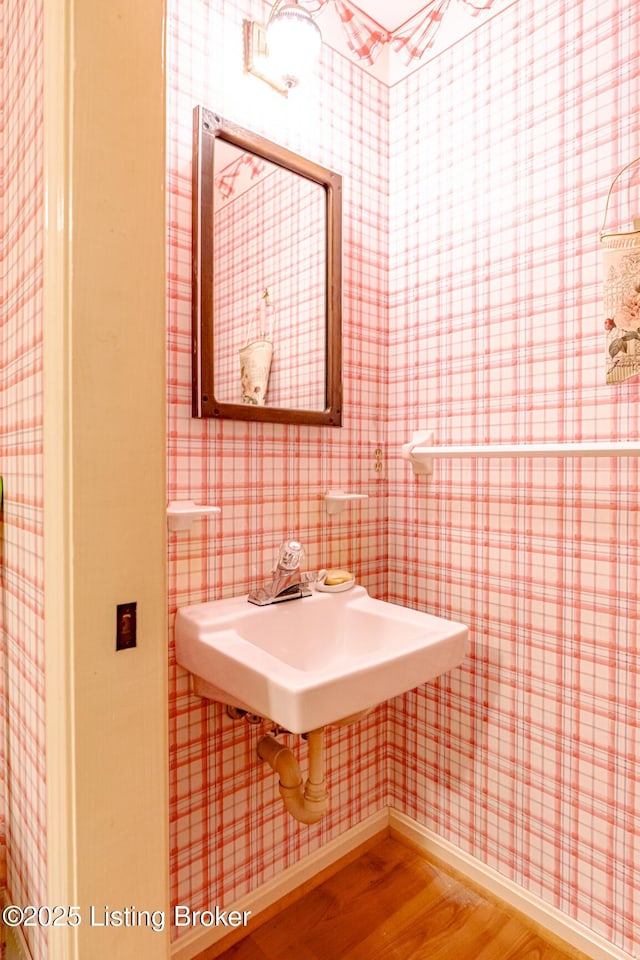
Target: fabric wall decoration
(621, 296)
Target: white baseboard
(194, 942)
(575, 934)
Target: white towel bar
(420, 453)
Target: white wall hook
(420, 458)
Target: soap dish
(335, 587)
(182, 513)
(337, 500)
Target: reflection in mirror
(266, 318)
(269, 269)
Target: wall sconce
(281, 53)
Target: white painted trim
(58, 595)
(550, 918)
(107, 808)
(192, 943)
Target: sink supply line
(308, 804)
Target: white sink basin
(312, 662)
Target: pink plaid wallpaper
(229, 832)
(501, 153)
(473, 195)
(22, 745)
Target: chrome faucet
(288, 581)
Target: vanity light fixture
(281, 53)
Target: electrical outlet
(126, 626)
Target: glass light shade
(293, 41)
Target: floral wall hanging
(621, 297)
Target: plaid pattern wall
(229, 831)
(502, 152)
(22, 745)
(473, 308)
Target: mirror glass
(266, 277)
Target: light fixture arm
(277, 6)
(281, 3)
(282, 51)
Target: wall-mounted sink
(312, 662)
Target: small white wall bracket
(182, 513)
(416, 452)
(337, 500)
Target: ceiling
(390, 14)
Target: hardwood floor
(392, 904)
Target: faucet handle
(290, 555)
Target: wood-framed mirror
(267, 290)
